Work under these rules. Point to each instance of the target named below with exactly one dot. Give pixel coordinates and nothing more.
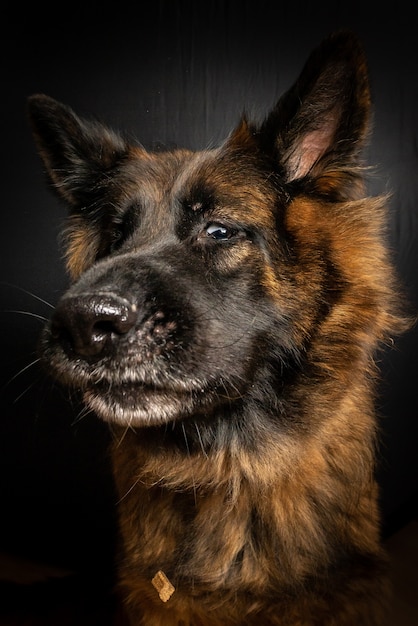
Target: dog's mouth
(139, 404)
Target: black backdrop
(177, 72)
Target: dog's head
(213, 279)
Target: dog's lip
(146, 382)
(125, 388)
(128, 391)
(137, 404)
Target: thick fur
(224, 316)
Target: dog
(223, 317)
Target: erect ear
(78, 154)
(319, 125)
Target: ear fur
(320, 124)
(77, 153)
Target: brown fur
(236, 370)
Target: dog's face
(203, 280)
(177, 309)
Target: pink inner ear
(308, 149)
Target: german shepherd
(224, 314)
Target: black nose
(89, 323)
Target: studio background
(175, 72)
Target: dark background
(177, 73)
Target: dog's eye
(123, 228)
(116, 240)
(219, 232)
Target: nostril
(88, 323)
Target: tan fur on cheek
(82, 245)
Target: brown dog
(225, 312)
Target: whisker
(185, 439)
(25, 391)
(29, 293)
(200, 439)
(227, 394)
(128, 427)
(134, 484)
(35, 315)
(84, 411)
(20, 372)
(188, 454)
